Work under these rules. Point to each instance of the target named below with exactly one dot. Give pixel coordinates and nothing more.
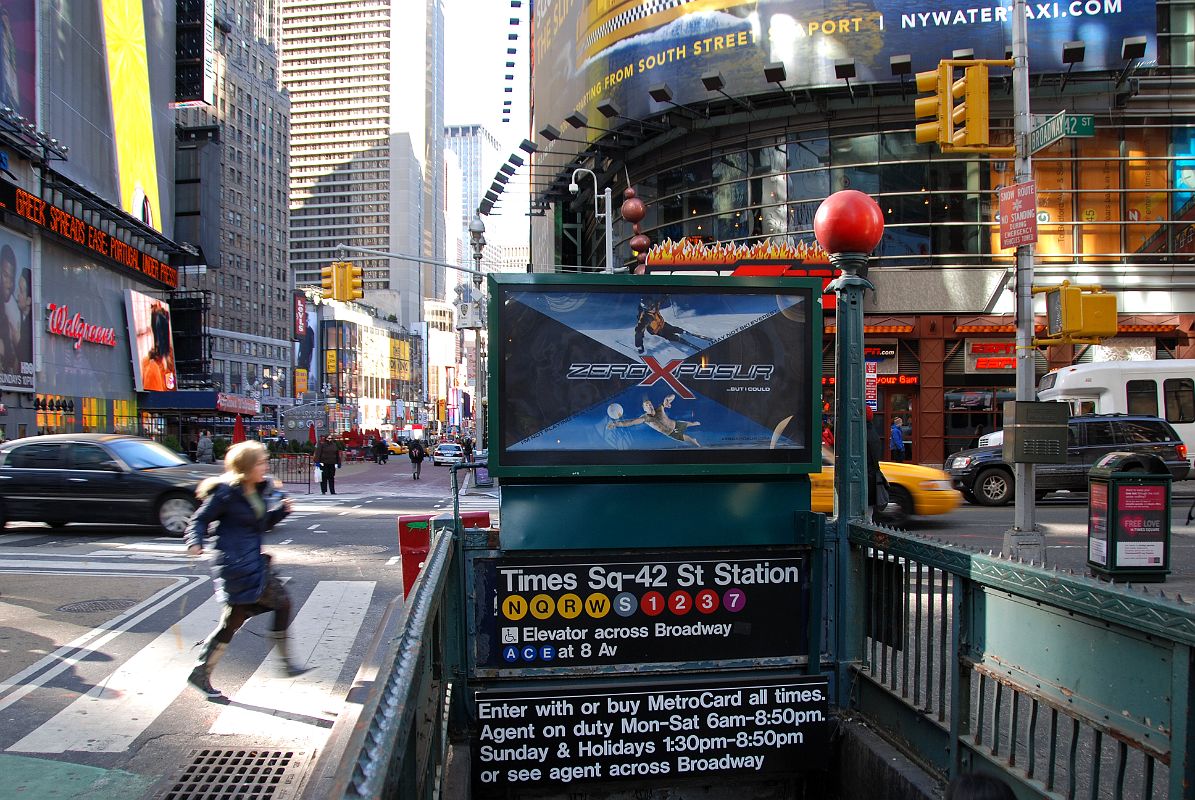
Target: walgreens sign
(60, 322)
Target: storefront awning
(200, 401)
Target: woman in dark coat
(244, 581)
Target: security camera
(573, 188)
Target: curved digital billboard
(630, 375)
(589, 50)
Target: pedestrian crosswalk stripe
(321, 637)
(119, 709)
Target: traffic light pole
(1024, 539)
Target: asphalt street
(98, 626)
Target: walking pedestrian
(205, 449)
(244, 581)
(327, 457)
(896, 440)
(877, 486)
(416, 453)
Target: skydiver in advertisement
(656, 418)
(651, 321)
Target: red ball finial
(848, 221)
(633, 209)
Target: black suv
(984, 477)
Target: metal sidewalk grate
(242, 774)
(88, 606)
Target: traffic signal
(970, 117)
(327, 279)
(354, 281)
(1071, 312)
(937, 106)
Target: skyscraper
(249, 323)
(479, 155)
(367, 139)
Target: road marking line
(313, 527)
(110, 717)
(321, 636)
(31, 564)
(393, 560)
(357, 506)
(9, 538)
(72, 653)
(286, 541)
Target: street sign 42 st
(1061, 126)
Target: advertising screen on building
(18, 57)
(151, 340)
(631, 375)
(590, 50)
(16, 313)
(307, 361)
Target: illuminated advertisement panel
(307, 350)
(16, 313)
(151, 340)
(18, 57)
(654, 375)
(587, 50)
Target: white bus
(1163, 389)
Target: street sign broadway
(1059, 126)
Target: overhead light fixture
(713, 82)
(1072, 53)
(901, 66)
(515, 159)
(552, 134)
(577, 120)
(662, 93)
(1132, 50)
(528, 146)
(777, 74)
(607, 108)
(507, 168)
(501, 177)
(844, 70)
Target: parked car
(396, 448)
(914, 490)
(98, 477)
(447, 453)
(983, 476)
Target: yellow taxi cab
(913, 490)
(396, 449)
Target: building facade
(743, 160)
(245, 280)
(88, 262)
(367, 141)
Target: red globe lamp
(848, 222)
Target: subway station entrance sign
(693, 729)
(579, 611)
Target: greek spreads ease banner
(587, 50)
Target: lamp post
(477, 242)
(574, 188)
(848, 225)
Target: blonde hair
(238, 461)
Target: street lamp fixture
(477, 242)
(573, 189)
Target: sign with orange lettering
(83, 236)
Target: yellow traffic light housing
(328, 281)
(936, 106)
(970, 117)
(960, 107)
(1078, 314)
(354, 282)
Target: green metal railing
(399, 746)
(1066, 686)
